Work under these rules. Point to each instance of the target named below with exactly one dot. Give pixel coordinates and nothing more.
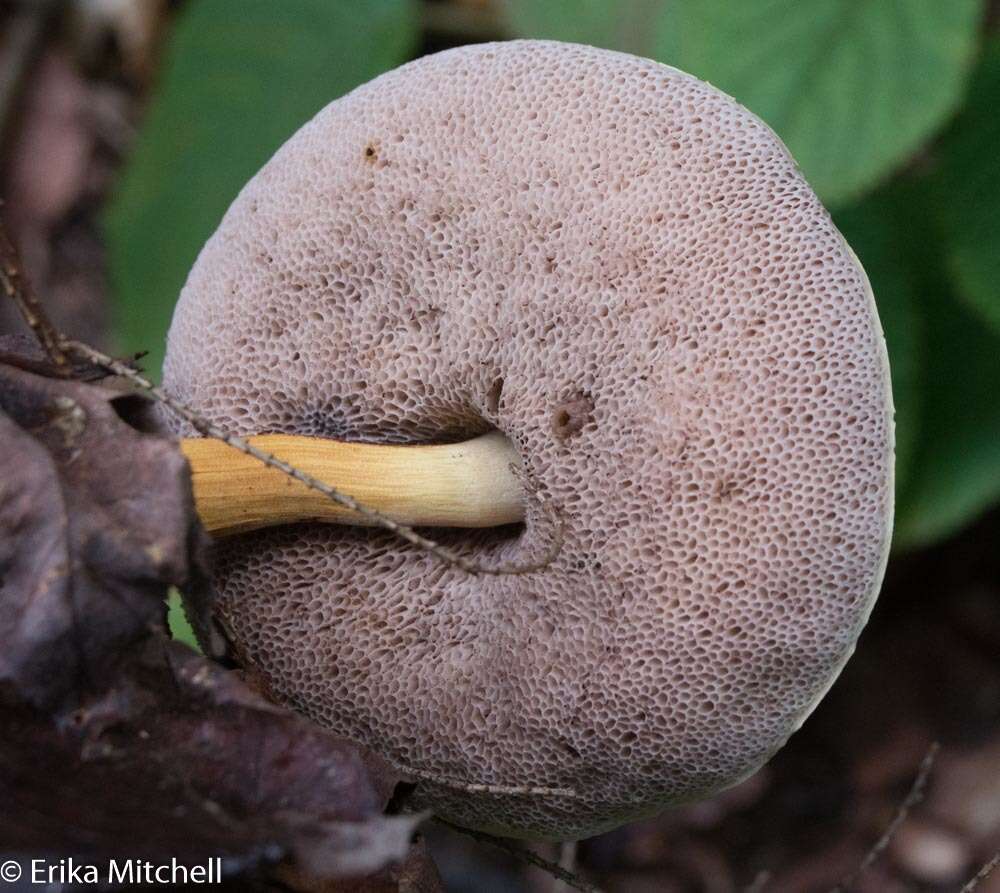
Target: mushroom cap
(623, 270)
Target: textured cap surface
(623, 270)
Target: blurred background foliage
(889, 106)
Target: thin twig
(209, 429)
(982, 874)
(525, 855)
(17, 288)
(58, 346)
(913, 797)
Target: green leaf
(177, 622)
(240, 77)
(852, 86)
(968, 184)
(955, 470)
(870, 229)
(946, 375)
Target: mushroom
(619, 276)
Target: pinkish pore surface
(623, 270)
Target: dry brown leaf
(118, 742)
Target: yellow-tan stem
(470, 484)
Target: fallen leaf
(119, 743)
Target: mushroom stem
(470, 484)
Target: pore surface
(623, 270)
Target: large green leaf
(945, 366)
(852, 86)
(871, 230)
(945, 363)
(969, 192)
(240, 77)
(955, 471)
